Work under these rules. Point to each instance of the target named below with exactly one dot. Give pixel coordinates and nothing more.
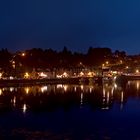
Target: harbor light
(13, 64)
(43, 75)
(0, 75)
(59, 76)
(0, 91)
(65, 74)
(103, 65)
(107, 62)
(81, 73)
(44, 89)
(90, 74)
(27, 90)
(115, 77)
(137, 71)
(24, 108)
(127, 67)
(26, 75)
(23, 54)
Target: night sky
(77, 24)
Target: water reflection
(24, 108)
(52, 97)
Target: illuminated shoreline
(22, 82)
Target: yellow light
(75, 89)
(90, 74)
(0, 75)
(121, 61)
(11, 89)
(115, 85)
(65, 74)
(24, 108)
(137, 71)
(115, 77)
(81, 101)
(59, 76)
(44, 88)
(137, 85)
(26, 75)
(122, 96)
(90, 89)
(14, 100)
(0, 91)
(13, 62)
(107, 62)
(65, 87)
(23, 54)
(81, 73)
(127, 67)
(82, 87)
(107, 97)
(27, 90)
(59, 86)
(43, 75)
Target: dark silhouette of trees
(5, 57)
(37, 58)
(65, 58)
(97, 56)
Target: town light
(107, 62)
(127, 67)
(81, 73)
(0, 75)
(24, 108)
(23, 54)
(27, 90)
(121, 61)
(90, 74)
(26, 75)
(65, 74)
(43, 75)
(137, 71)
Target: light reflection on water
(99, 111)
(101, 97)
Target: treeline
(50, 59)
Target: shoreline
(30, 82)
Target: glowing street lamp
(23, 54)
(107, 62)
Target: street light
(0, 75)
(137, 71)
(23, 54)
(127, 67)
(26, 75)
(107, 62)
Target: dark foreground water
(67, 112)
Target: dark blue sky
(76, 24)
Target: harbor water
(81, 112)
